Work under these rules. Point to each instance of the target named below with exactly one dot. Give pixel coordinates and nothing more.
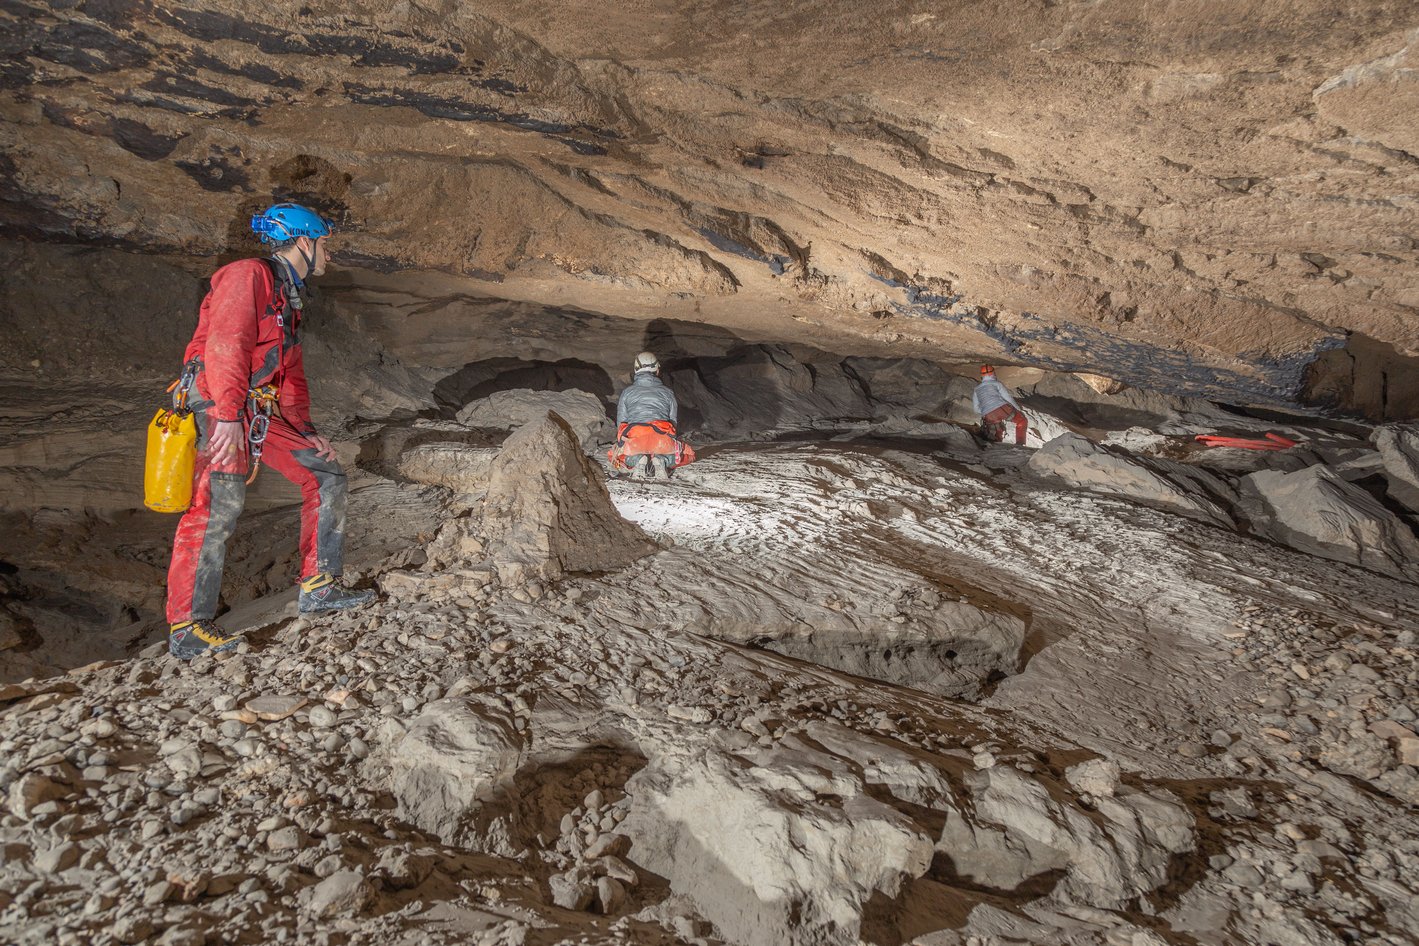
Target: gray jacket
(989, 395)
(646, 399)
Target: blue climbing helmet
(284, 223)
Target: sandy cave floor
(1083, 626)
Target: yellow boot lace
(204, 632)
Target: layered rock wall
(1200, 200)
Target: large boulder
(1315, 511)
(547, 511)
(1399, 452)
(780, 850)
(506, 410)
(1157, 482)
(802, 843)
(1043, 428)
(761, 388)
(458, 467)
(1014, 829)
(452, 770)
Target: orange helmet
(987, 369)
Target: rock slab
(547, 511)
(1399, 453)
(1315, 511)
(507, 410)
(1101, 469)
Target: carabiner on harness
(260, 402)
(181, 389)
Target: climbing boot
(640, 467)
(323, 593)
(193, 638)
(660, 468)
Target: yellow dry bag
(172, 450)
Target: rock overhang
(1183, 206)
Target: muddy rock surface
(494, 755)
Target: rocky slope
(1208, 199)
(548, 729)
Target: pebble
(322, 717)
(692, 714)
(290, 838)
(329, 865)
(97, 903)
(570, 892)
(343, 893)
(276, 707)
(59, 858)
(610, 893)
(157, 893)
(31, 791)
(1244, 875)
(1096, 777)
(132, 929)
(245, 716)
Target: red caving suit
(247, 336)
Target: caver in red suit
(248, 338)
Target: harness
(261, 400)
(656, 425)
(625, 442)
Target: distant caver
(997, 407)
(647, 442)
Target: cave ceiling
(1197, 196)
